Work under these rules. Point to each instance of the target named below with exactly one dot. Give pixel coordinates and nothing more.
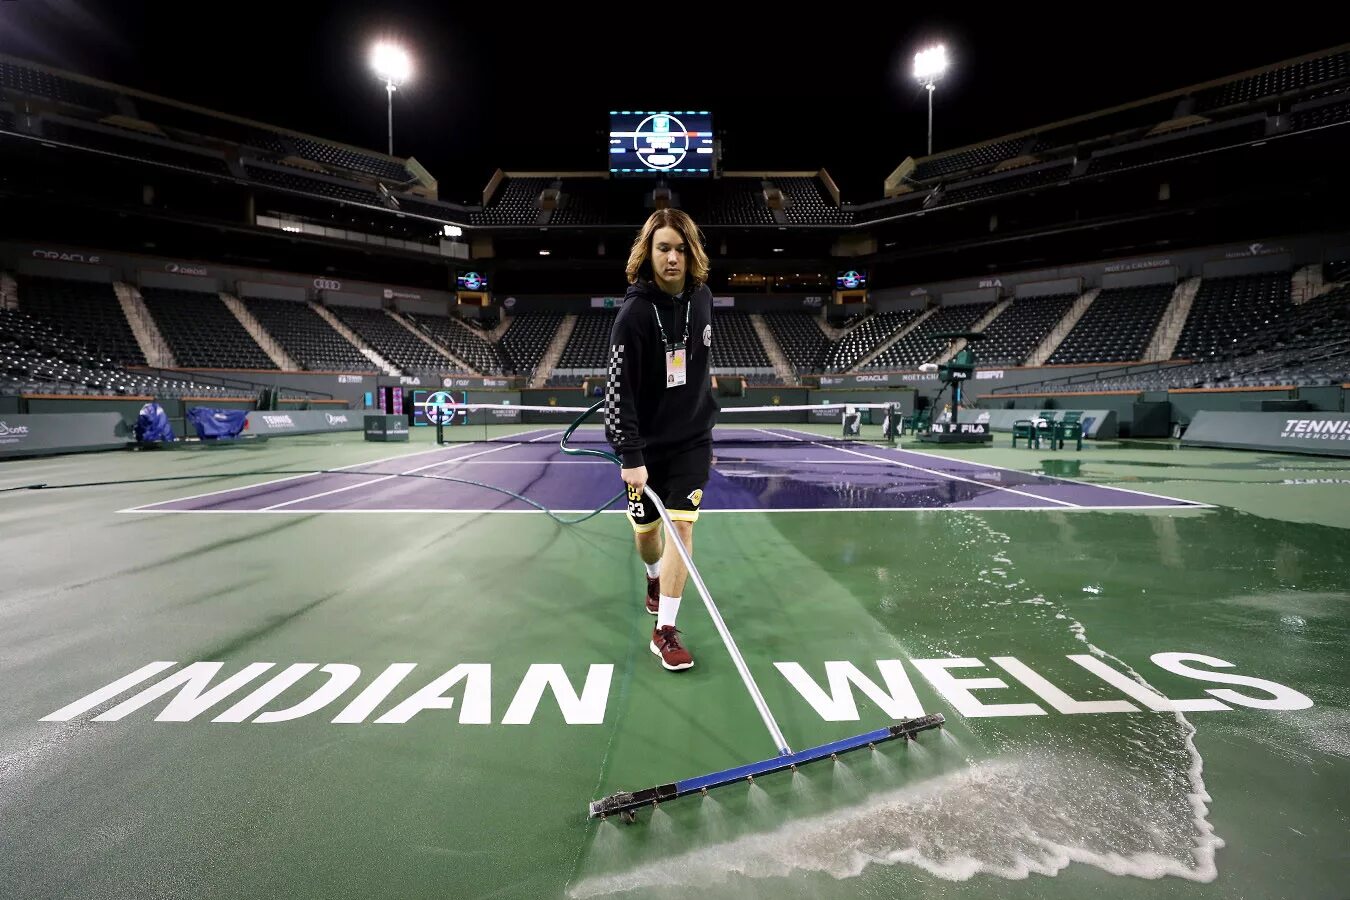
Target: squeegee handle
(780, 742)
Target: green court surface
(551, 698)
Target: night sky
(533, 92)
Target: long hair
(640, 257)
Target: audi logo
(327, 284)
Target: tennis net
(821, 422)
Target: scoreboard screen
(429, 406)
(850, 279)
(471, 281)
(676, 143)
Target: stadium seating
(800, 337)
(183, 119)
(920, 345)
(1319, 115)
(202, 332)
(136, 147)
(391, 340)
(514, 203)
(1227, 310)
(466, 345)
(1117, 327)
(735, 345)
(1004, 184)
(859, 342)
(588, 345)
(1182, 143)
(38, 357)
(1020, 328)
(1308, 346)
(739, 201)
(341, 157)
(977, 157)
(587, 202)
(808, 203)
(1336, 270)
(307, 336)
(86, 310)
(1281, 80)
(901, 205)
(26, 80)
(527, 339)
(296, 182)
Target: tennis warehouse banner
(301, 422)
(1322, 433)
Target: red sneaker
(666, 644)
(653, 595)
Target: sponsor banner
(385, 428)
(300, 422)
(351, 379)
(898, 379)
(327, 284)
(874, 380)
(1138, 264)
(972, 428)
(724, 301)
(1303, 432)
(1256, 248)
(461, 381)
(68, 256)
(183, 269)
(606, 302)
(391, 294)
(813, 302)
(24, 435)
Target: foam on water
(1009, 817)
(1125, 794)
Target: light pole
(929, 66)
(393, 66)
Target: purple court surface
(800, 473)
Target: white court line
(1063, 479)
(352, 487)
(147, 506)
(896, 462)
(704, 512)
(982, 465)
(532, 462)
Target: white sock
(653, 569)
(666, 614)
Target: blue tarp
(153, 424)
(212, 424)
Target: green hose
(580, 451)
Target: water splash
(1009, 817)
(802, 788)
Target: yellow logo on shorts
(696, 497)
(634, 494)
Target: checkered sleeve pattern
(613, 415)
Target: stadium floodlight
(929, 66)
(393, 66)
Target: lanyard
(665, 342)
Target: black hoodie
(641, 413)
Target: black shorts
(678, 479)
